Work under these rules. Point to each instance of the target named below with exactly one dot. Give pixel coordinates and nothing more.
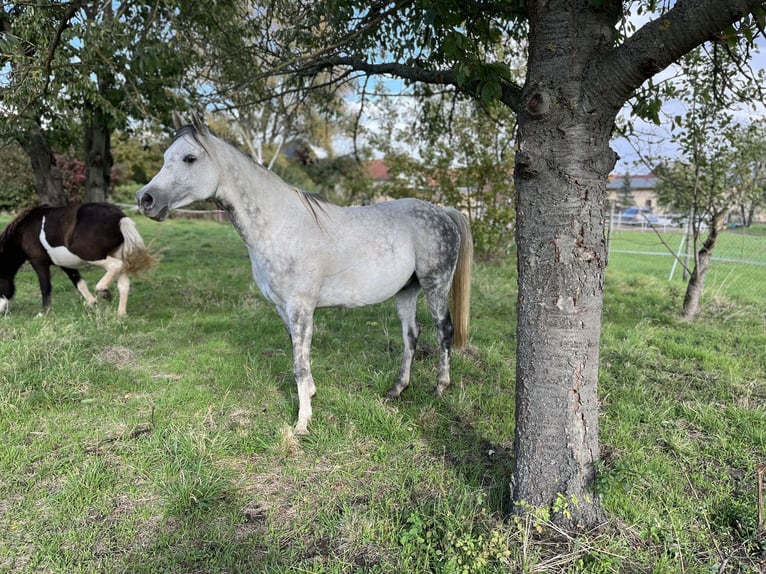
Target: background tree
(748, 181)
(73, 72)
(625, 197)
(581, 68)
(460, 157)
(23, 90)
(723, 175)
(17, 184)
(717, 166)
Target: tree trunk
(562, 164)
(693, 294)
(98, 156)
(48, 180)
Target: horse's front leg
(43, 271)
(300, 324)
(80, 284)
(407, 306)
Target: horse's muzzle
(148, 206)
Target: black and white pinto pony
(307, 253)
(72, 237)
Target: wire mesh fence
(663, 249)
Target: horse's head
(189, 173)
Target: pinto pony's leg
(80, 284)
(113, 268)
(123, 288)
(300, 324)
(406, 306)
(44, 278)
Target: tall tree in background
(720, 168)
(23, 93)
(463, 162)
(748, 182)
(719, 161)
(581, 68)
(73, 72)
(625, 197)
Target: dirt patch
(117, 356)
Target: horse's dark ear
(177, 121)
(199, 125)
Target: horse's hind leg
(113, 268)
(438, 302)
(44, 278)
(123, 287)
(406, 306)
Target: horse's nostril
(145, 200)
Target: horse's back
(96, 230)
(433, 234)
(90, 230)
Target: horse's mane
(313, 202)
(11, 227)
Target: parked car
(634, 215)
(660, 221)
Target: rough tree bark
(576, 83)
(98, 157)
(562, 163)
(48, 180)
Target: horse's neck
(12, 257)
(257, 200)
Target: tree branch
(510, 96)
(659, 43)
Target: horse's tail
(136, 257)
(461, 282)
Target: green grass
(644, 253)
(161, 442)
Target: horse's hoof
(301, 430)
(394, 394)
(437, 391)
(104, 294)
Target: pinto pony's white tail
(136, 256)
(460, 303)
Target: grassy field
(644, 252)
(161, 442)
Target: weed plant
(162, 442)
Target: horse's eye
(190, 158)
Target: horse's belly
(59, 254)
(358, 287)
(62, 257)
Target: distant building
(378, 171)
(642, 187)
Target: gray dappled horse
(308, 253)
(72, 237)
